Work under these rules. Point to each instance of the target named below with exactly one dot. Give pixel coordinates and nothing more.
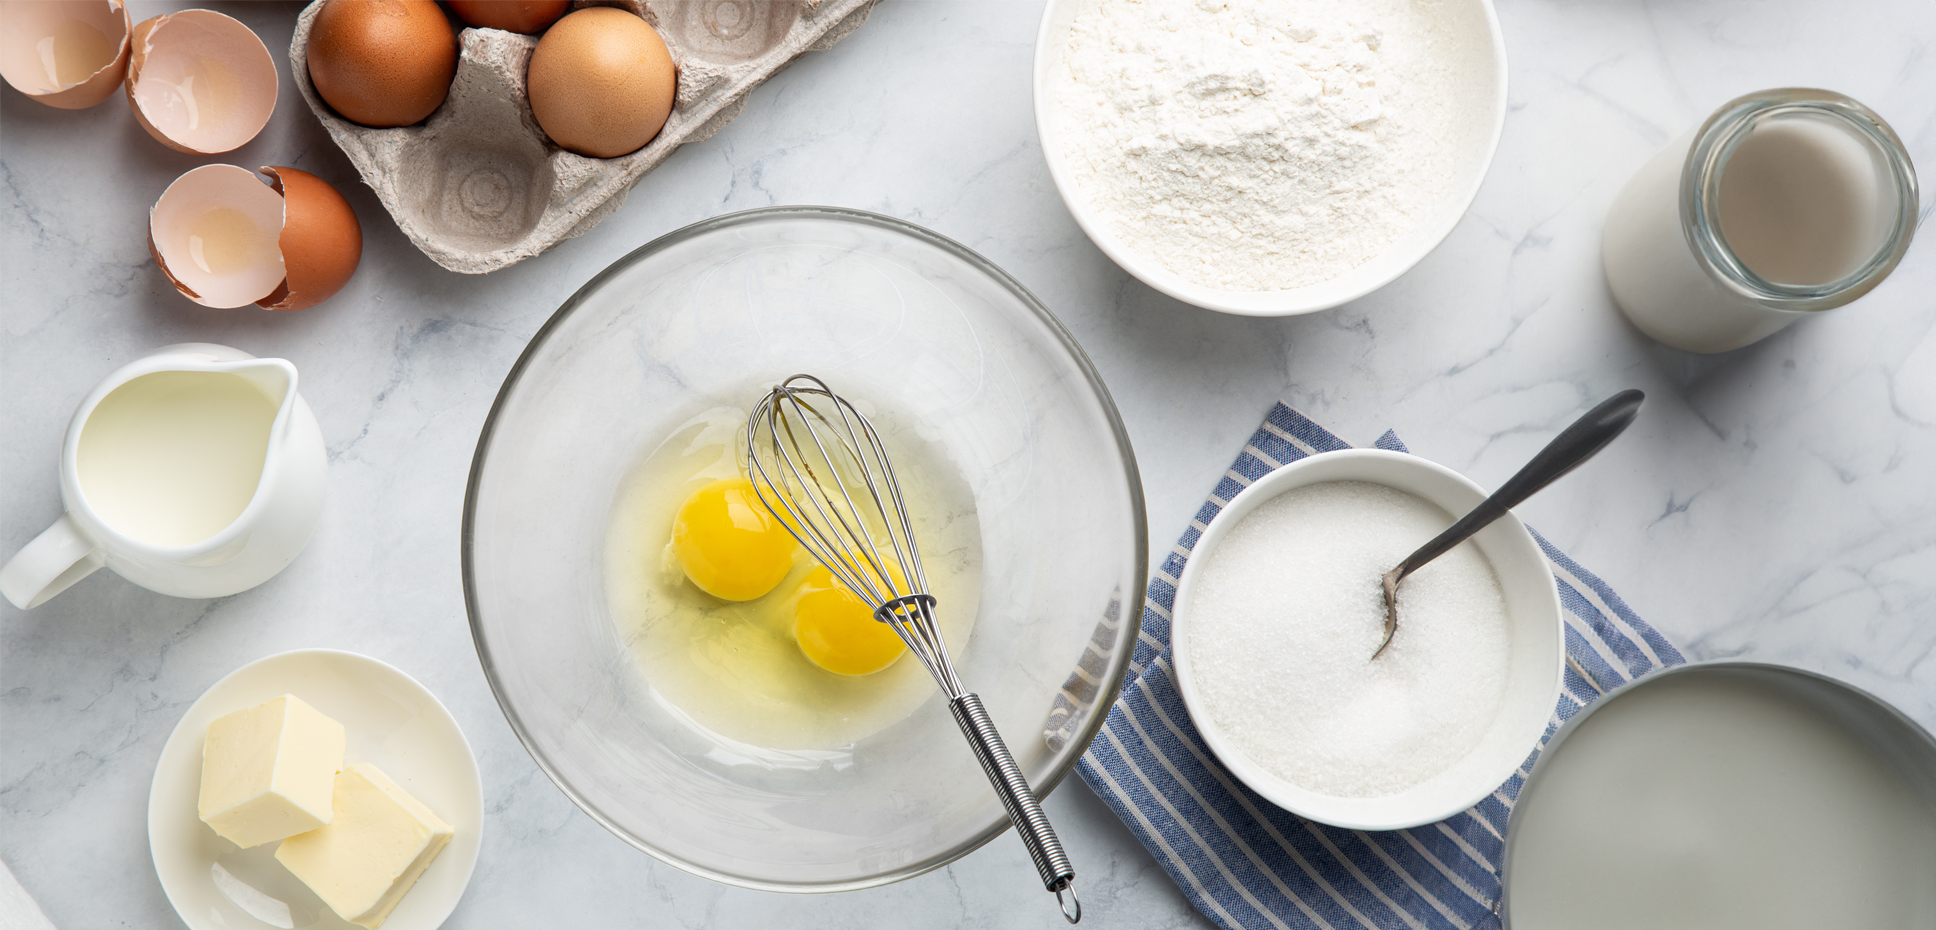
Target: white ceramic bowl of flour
(1271, 157)
(1359, 763)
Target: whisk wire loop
(825, 459)
(798, 436)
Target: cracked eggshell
(226, 239)
(477, 186)
(213, 233)
(200, 82)
(321, 241)
(70, 54)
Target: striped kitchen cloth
(1249, 864)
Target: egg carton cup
(478, 186)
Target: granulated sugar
(1256, 145)
(1286, 615)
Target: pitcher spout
(276, 378)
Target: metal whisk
(819, 466)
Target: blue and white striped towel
(1248, 864)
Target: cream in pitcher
(172, 457)
(196, 471)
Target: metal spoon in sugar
(1573, 446)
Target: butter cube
(366, 859)
(270, 771)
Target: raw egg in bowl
(702, 689)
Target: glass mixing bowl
(887, 313)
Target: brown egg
(601, 83)
(527, 16)
(382, 63)
(200, 82)
(69, 54)
(225, 239)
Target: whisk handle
(1023, 810)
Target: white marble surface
(1775, 503)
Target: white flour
(1257, 145)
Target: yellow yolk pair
(733, 548)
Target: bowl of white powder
(1268, 157)
(1280, 609)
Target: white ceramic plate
(392, 721)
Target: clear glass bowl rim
(1126, 636)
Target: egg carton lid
(477, 186)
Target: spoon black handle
(1574, 445)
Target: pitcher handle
(47, 566)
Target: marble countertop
(1775, 503)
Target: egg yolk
(838, 632)
(729, 544)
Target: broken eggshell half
(226, 239)
(200, 82)
(70, 54)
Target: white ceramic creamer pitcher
(195, 471)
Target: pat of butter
(270, 771)
(366, 859)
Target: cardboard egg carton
(479, 187)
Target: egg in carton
(478, 186)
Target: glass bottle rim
(1700, 196)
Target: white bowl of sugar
(1268, 157)
(1280, 608)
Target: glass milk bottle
(1785, 203)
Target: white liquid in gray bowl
(1722, 799)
